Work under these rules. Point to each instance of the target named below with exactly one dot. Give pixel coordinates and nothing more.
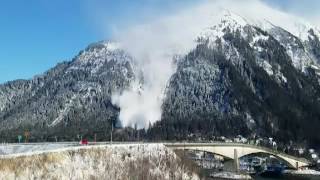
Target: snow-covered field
(304, 172)
(107, 162)
(231, 175)
(16, 149)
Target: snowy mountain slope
(72, 95)
(313, 44)
(295, 41)
(242, 77)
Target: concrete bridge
(235, 151)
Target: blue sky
(37, 34)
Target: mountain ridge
(239, 79)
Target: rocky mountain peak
(97, 55)
(227, 21)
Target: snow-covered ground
(23, 149)
(304, 172)
(230, 175)
(114, 162)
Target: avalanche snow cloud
(156, 45)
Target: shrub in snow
(117, 162)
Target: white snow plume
(153, 45)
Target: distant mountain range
(241, 78)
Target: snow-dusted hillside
(295, 40)
(105, 162)
(242, 74)
(70, 96)
(243, 78)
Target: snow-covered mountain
(72, 95)
(246, 78)
(242, 77)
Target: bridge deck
(269, 150)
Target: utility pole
(111, 132)
(27, 135)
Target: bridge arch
(270, 154)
